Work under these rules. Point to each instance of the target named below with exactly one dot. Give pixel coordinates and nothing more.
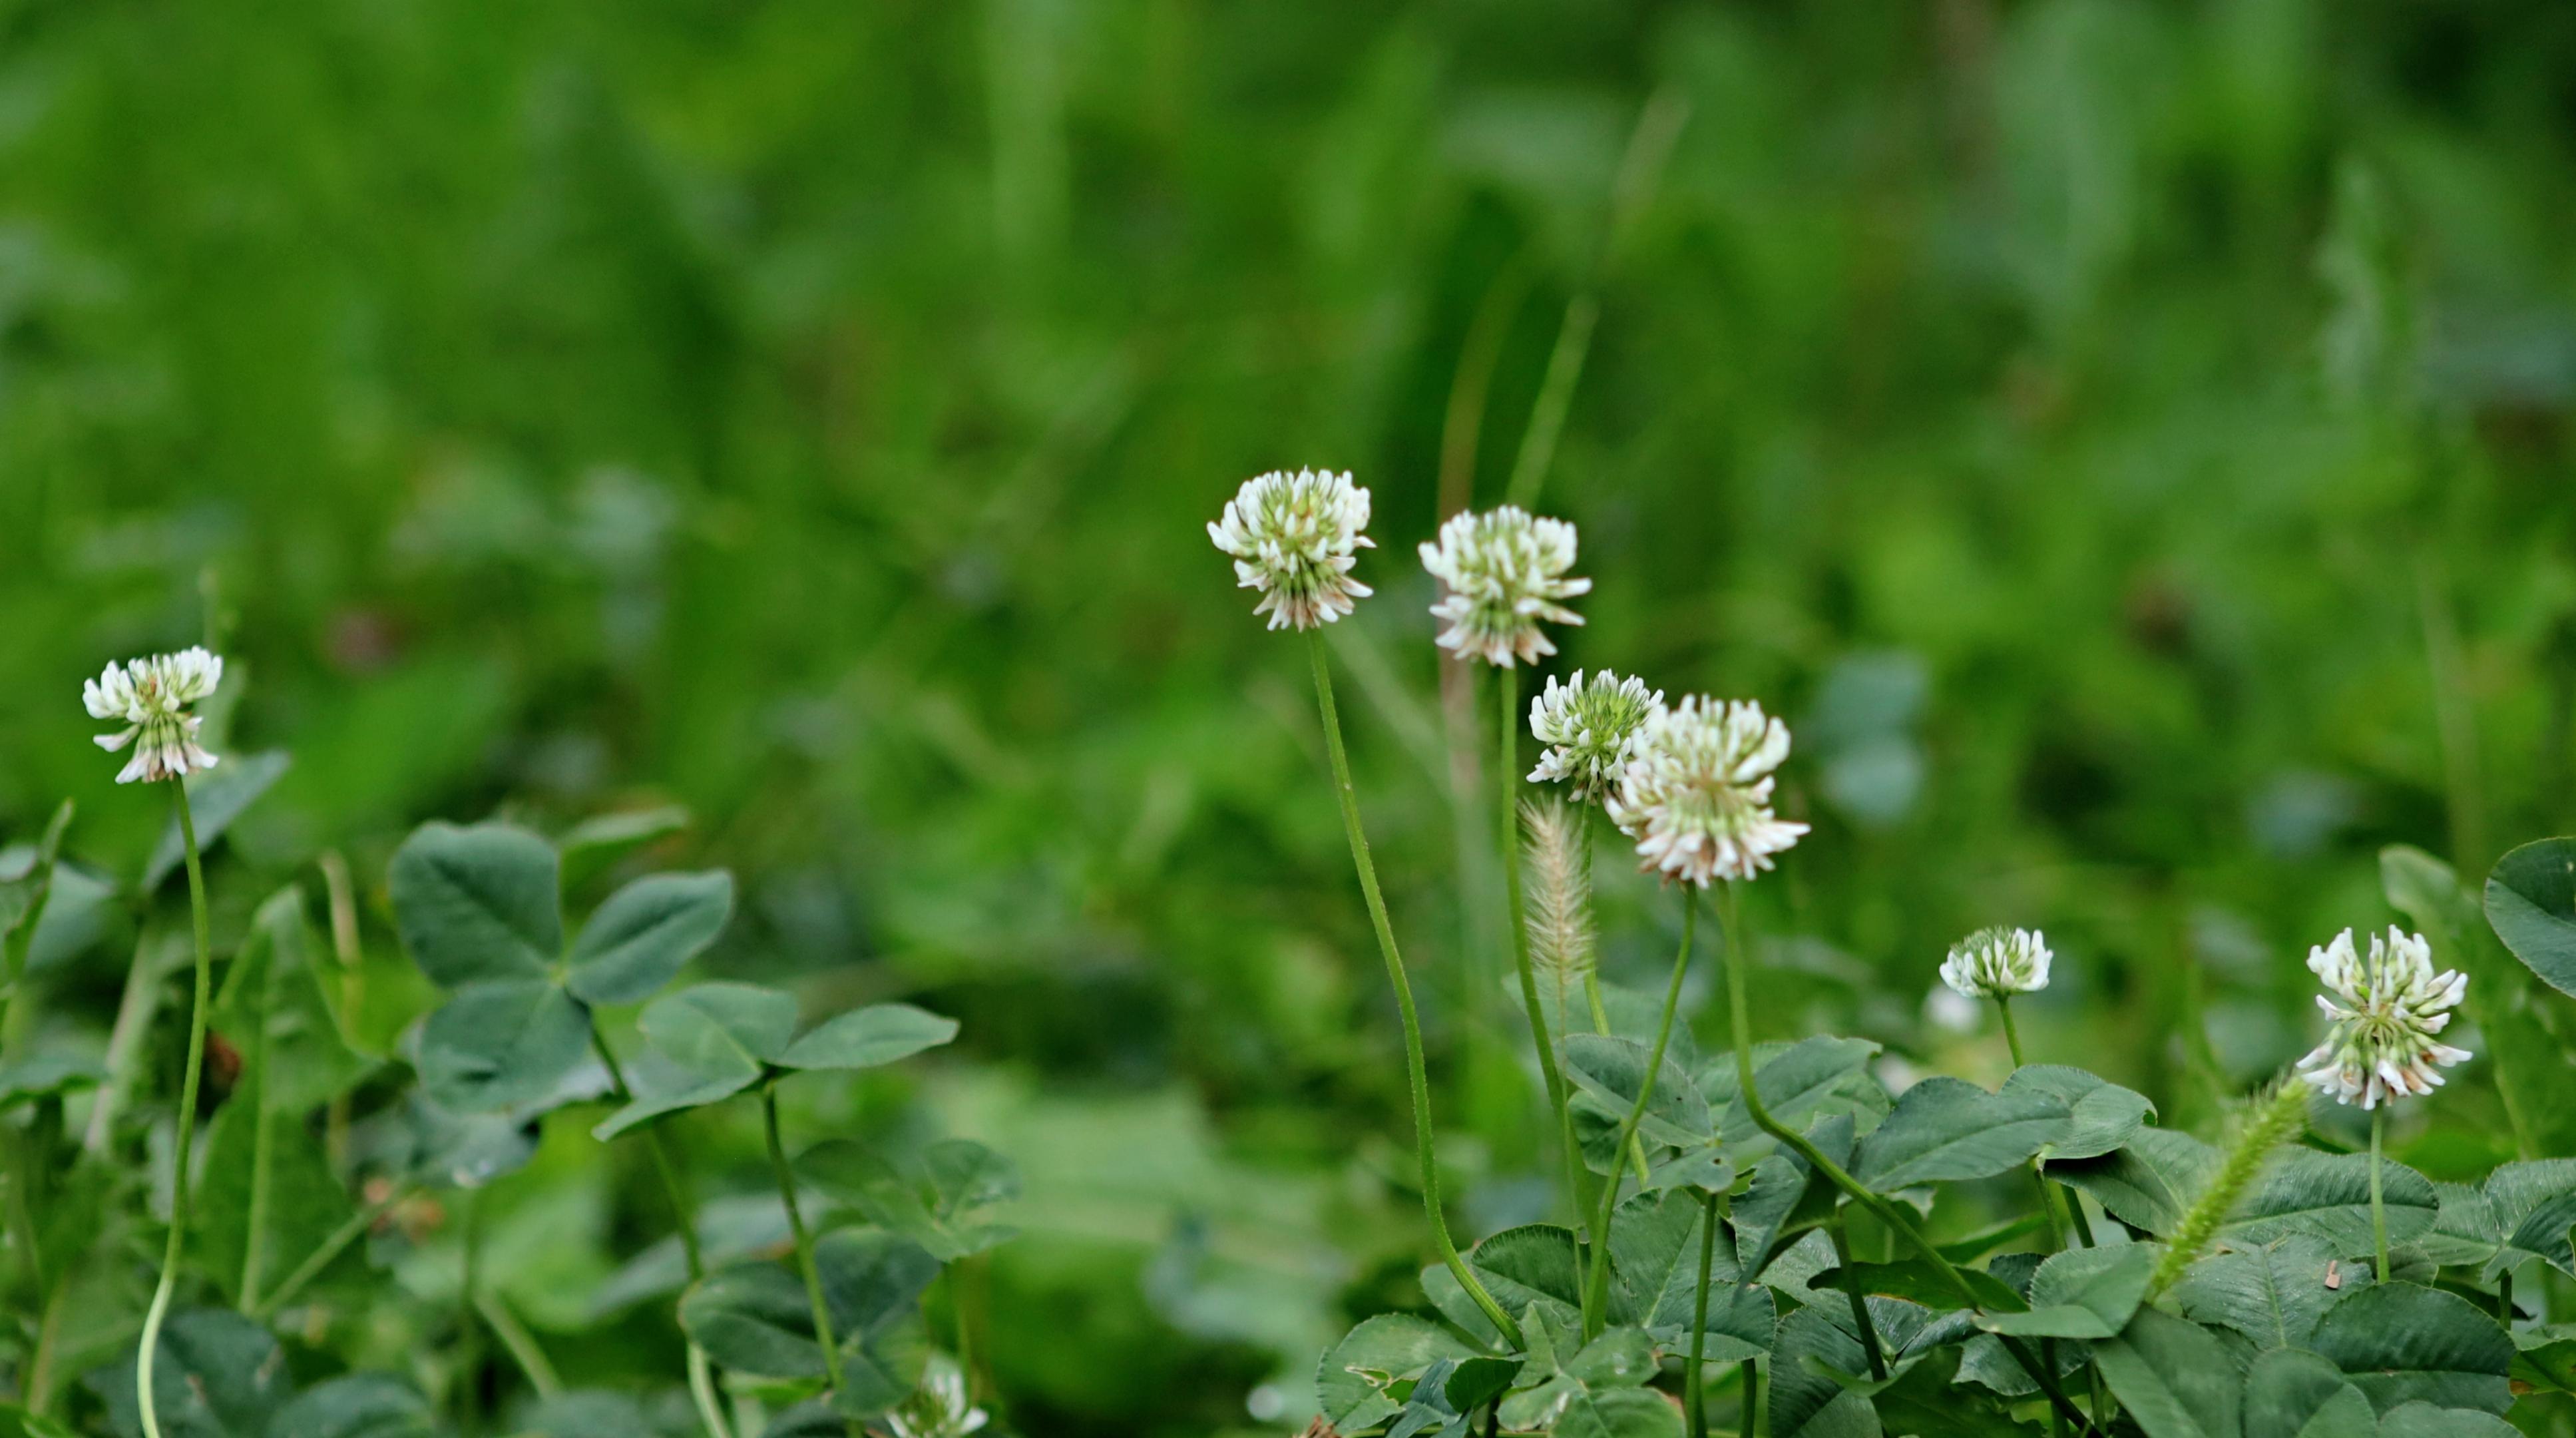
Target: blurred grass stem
(1414, 1068)
(148, 1348)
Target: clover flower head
(2385, 1012)
(1696, 794)
(1997, 963)
(1505, 571)
(152, 696)
(1590, 729)
(939, 1407)
(1293, 537)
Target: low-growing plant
(319, 1267)
(1759, 1238)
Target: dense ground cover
(2129, 447)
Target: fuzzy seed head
(2385, 1012)
(1505, 571)
(1696, 795)
(1590, 729)
(151, 696)
(1294, 538)
(1559, 903)
(1997, 963)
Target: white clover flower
(1997, 963)
(939, 1407)
(152, 697)
(2381, 1045)
(1696, 795)
(1505, 572)
(1591, 730)
(1293, 537)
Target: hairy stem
(149, 1348)
(1415, 1071)
(1597, 1288)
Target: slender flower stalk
(1998, 963)
(1550, 1072)
(1859, 1300)
(1694, 1386)
(2378, 1210)
(804, 1237)
(1597, 1287)
(1894, 1215)
(148, 1349)
(1415, 1071)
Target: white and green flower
(1294, 537)
(1505, 572)
(1997, 963)
(1696, 793)
(1590, 729)
(152, 696)
(2385, 1012)
(939, 1407)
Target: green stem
(149, 1348)
(469, 1334)
(263, 1140)
(1694, 1387)
(1597, 1288)
(804, 1242)
(1859, 1301)
(521, 1344)
(2378, 1213)
(330, 1248)
(1893, 1214)
(1751, 1416)
(701, 1373)
(1601, 1026)
(1508, 775)
(2050, 1205)
(1414, 1068)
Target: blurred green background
(2129, 442)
